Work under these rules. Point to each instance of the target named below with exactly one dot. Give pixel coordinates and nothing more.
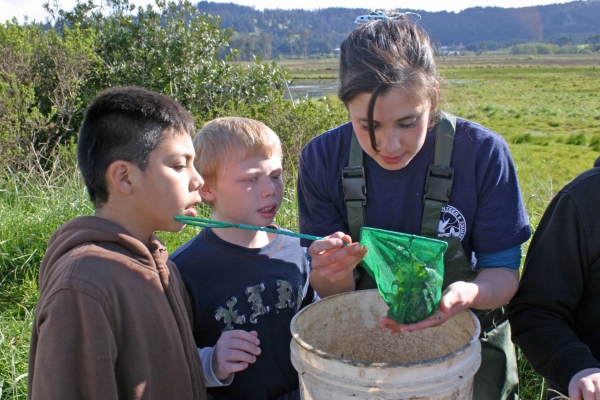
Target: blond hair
(227, 139)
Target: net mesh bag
(408, 269)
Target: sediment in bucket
(340, 352)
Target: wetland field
(546, 107)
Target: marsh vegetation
(547, 109)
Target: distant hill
(303, 33)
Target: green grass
(550, 116)
(326, 68)
(32, 205)
(538, 101)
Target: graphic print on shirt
(284, 289)
(286, 300)
(300, 298)
(255, 299)
(230, 315)
(452, 223)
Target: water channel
(311, 88)
(327, 87)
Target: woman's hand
(457, 297)
(492, 288)
(332, 264)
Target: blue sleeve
(317, 212)
(510, 258)
(501, 219)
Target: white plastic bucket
(340, 352)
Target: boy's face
(248, 192)
(169, 185)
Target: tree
(266, 40)
(304, 35)
(291, 40)
(594, 42)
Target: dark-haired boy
(113, 319)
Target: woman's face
(400, 123)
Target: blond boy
(245, 285)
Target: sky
(33, 8)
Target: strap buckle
(354, 184)
(438, 183)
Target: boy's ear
(119, 177)
(206, 192)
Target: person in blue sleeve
(401, 164)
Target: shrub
(568, 49)
(49, 75)
(534, 48)
(41, 74)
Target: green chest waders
(497, 378)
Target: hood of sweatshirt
(87, 229)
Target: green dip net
(408, 269)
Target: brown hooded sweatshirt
(112, 320)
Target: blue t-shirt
(234, 287)
(485, 210)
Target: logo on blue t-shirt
(452, 223)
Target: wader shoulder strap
(438, 182)
(355, 188)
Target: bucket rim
(323, 354)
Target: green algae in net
(408, 269)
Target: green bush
(568, 49)
(40, 76)
(534, 48)
(295, 123)
(48, 76)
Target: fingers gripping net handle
(209, 223)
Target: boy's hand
(332, 264)
(585, 385)
(234, 351)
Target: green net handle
(209, 223)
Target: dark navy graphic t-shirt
(485, 211)
(233, 287)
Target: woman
(402, 165)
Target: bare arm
(492, 288)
